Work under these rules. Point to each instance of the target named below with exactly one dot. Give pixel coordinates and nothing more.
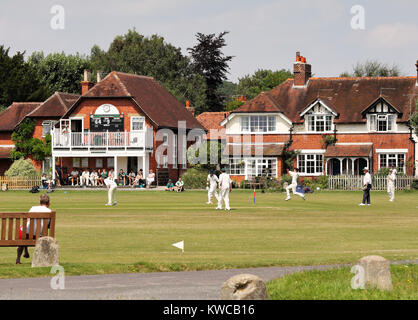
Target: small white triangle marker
(179, 245)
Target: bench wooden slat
(10, 235)
(38, 228)
(16, 243)
(24, 227)
(27, 214)
(44, 232)
(31, 228)
(17, 227)
(52, 227)
(3, 229)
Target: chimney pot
(87, 75)
(99, 76)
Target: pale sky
(263, 33)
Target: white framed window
(258, 123)
(260, 167)
(137, 123)
(236, 167)
(382, 122)
(319, 123)
(47, 126)
(310, 164)
(397, 160)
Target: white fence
(356, 182)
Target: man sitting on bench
(44, 207)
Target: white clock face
(106, 108)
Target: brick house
(365, 119)
(45, 114)
(125, 121)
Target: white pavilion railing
(102, 140)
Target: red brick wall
(315, 141)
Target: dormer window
(382, 122)
(319, 123)
(381, 116)
(319, 117)
(258, 124)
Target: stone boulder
(376, 272)
(46, 253)
(244, 287)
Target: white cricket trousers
(391, 191)
(212, 193)
(293, 188)
(224, 195)
(111, 195)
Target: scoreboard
(102, 123)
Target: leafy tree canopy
(262, 80)
(209, 61)
(60, 72)
(373, 68)
(152, 56)
(18, 80)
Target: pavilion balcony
(102, 141)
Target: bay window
(47, 126)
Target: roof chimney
(188, 107)
(416, 65)
(86, 84)
(301, 70)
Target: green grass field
(136, 235)
(336, 285)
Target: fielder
(211, 185)
(111, 189)
(225, 184)
(295, 175)
(391, 185)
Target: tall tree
(18, 80)
(373, 68)
(262, 80)
(209, 61)
(60, 72)
(152, 56)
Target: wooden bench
(11, 222)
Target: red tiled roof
(55, 106)
(152, 98)
(346, 96)
(254, 150)
(212, 121)
(15, 113)
(348, 151)
(5, 152)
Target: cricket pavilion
(119, 123)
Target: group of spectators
(178, 187)
(96, 177)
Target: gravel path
(191, 285)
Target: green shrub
(414, 184)
(286, 178)
(322, 182)
(195, 178)
(21, 168)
